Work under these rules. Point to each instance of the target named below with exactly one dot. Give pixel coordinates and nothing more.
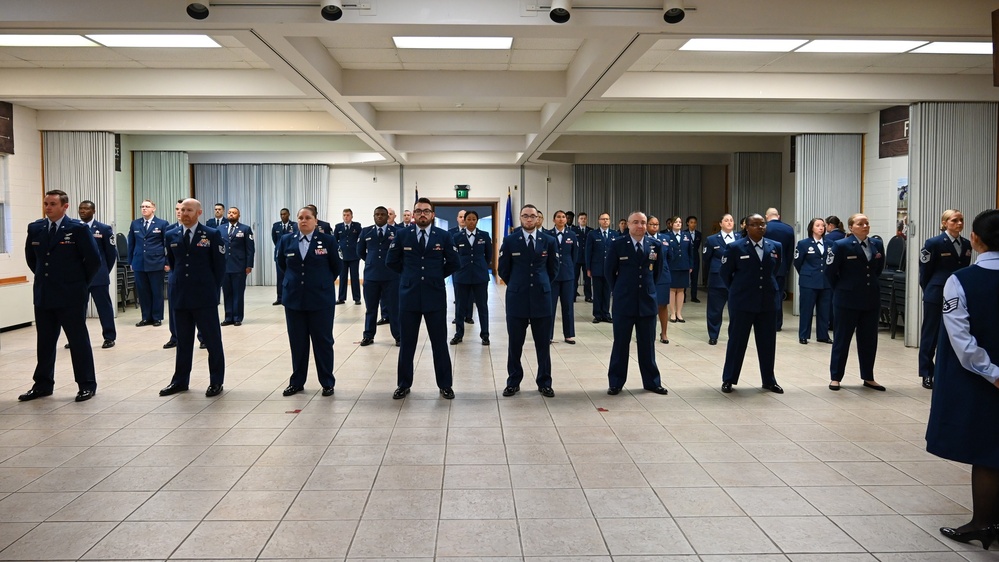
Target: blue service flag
(509, 214)
(417, 198)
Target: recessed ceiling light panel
(743, 45)
(496, 43)
(858, 46)
(45, 41)
(956, 48)
(162, 41)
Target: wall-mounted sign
(461, 191)
(894, 136)
(6, 128)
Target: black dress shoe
(570, 342)
(341, 301)
(588, 300)
(712, 342)
(142, 323)
(485, 341)
(157, 323)
(681, 320)
(107, 344)
(173, 389)
(237, 323)
(32, 394)
(367, 341)
(357, 303)
(292, 390)
(663, 340)
(780, 329)
(213, 390)
(614, 390)
(202, 345)
(455, 321)
(400, 393)
(672, 320)
(226, 323)
(597, 320)
(66, 346)
(872, 386)
(608, 319)
(726, 387)
(658, 390)
(695, 300)
(834, 386)
(398, 343)
(546, 391)
(775, 388)
(469, 321)
(447, 393)
(985, 536)
(928, 383)
(275, 303)
(170, 344)
(382, 322)
(511, 390)
(85, 395)
(827, 340)
(327, 391)
(802, 341)
(455, 340)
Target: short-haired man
(100, 286)
(391, 215)
(596, 254)
(217, 221)
(279, 229)
(62, 254)
(381, 284)
(582, 233)
(407, 217)
(347, 234)
(783, 234)
(239, 253)
(147, 257)
(695, 246)
(471, 281)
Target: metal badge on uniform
(851, 257)
(743, 257)
(173, 245)
(811, 250)
(877, 256)
(944, 254)
(437, 247)
(653, 255)
(622, 257)
(292, 254)
(156, 231)
(515, 254)
(36, 243)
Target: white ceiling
(562, 92)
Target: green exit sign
(461, 191)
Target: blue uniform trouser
(516, 330)
(645, 331)
(740, 322)
(280, 281)
(865, 324)
(73, 321)
(581, 274)
(717, 298)
(928, 335)
(105, 310)
(315, 327)
(149, 288)
(821, 301)
(409, 323)
(601, 297)
(385, 293)
(467, 294)
(564, 292)
(779, 303)
(352, 267)
(695, 275)
(206, 319)
(233, 289)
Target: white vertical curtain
(260, 191)
(162, 177)
(6, 237)
(952, 165)
(756, 183)
(660, 190)
(82, 164)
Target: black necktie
(52, 229)
(559, 237)
(957, 246)
(530, 242)
(638, 248)
(423, 239)
(147, 225)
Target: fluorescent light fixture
(744, 45)
(168, 41)
(45, 41)
(858, 46)
(956, 48)
(453, 42)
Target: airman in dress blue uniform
(564, 284)
(172, 323)
(582, 231)
(197, 258)
(424, 256)
(218, 220)
(696, 239)
(749, 268)
(782, 233)
(147, 257)
(279, 229)
(663, 282)
(680, 258)
(99, 287)
(62, 254)
(941, 256)
(714, 249)
(814, 290)
(381, 284)
(853, 269)
(596, 255)
(471, 281)
(240, 250)
(528, 261)
(634, 264)
(347, 233)
(311, 263)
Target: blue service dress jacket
(854, 279)
(279, 229)
(783, 234)
(752, 284)
(64, 265)
(711, 256)
(146, 247)
(938, 259)
(309, 281)
(104, 237)
(423, 270)
(347, 236)
(528, 292)
(633, 276)
(810, 262)
(196, 268)
(568, 252)
(596, 250)
(240, 247)
(373, 251)
(473, 256)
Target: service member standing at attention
(99, 287)
(279, 229)
(147, 257)
(425, 257)
(62, 254)
(381, 284)
(662, 283)
(596, 255)
(681, 263)
(714, 249)
(695, 271)
(347, 234)
(582, 235)
(782, 233)
(749, 268)
(941, 256)
(564, 284)
(471, 281)
(239, 252)
(322, 226)
(853, 269)
(528, 261)
(172, 323)
(634, 264)
(218, 221)
(197, 260)
(834, 229)
(813, 285)
(311, 265)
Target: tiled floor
(696, 475)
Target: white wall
(880, 186)
(25, 169)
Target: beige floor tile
(137, 479)
(887, 533)
(690, 502)
(759, 501)
(842, 500)
(57, 541)
(610, 475)
(915, 500)
(226, 539)
(394, 539)
(561, 537)
(643, 536)
(252, 506)
(475, 454)
(470, 477)
(177, 506)
(333, 477)
(289, 478)
(310, 540)
(487, 539)
(206, 478)
(68, 479)
(141, 540)
(725, 535)
(807, 534)
(101, 506)
(403, 504)
(23, 507)
(565, 503)
(683, 475)
(625, 502)
(477, 504)
(13, 479)
(327, 505)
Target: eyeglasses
(423, 211)
(529, 216)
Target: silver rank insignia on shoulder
(724, 259)
(795, 253)
(222, 249)
(112, 240)
(924, 256)
(950, 305)
(830, 258)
